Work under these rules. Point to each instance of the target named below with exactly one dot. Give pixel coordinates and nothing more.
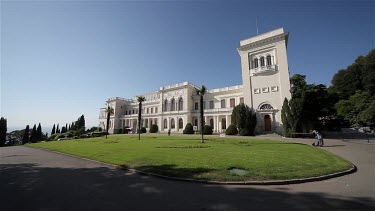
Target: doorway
(267, 123)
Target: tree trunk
(139, 120)
(108, 115)
(201, 107)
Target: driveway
(35, 179)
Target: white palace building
(265, 76)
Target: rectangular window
(242, 100)
(133, 111)
(196, 107)
(152, 110)
(232, 102)
(147, 110)
(212, 105)
(156, 109)
(204, 104)
(223, 103)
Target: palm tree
(201, 92)
(140, 100)
(109, 111)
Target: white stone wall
(263, 85)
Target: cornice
(264, 41)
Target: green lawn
(185, 156)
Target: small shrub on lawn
(143, 130)
(188, 129)
(154, 128)
(207, 130)
(231, 130)
(126, 130)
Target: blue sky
(61, 59)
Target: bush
(154, 128)
(52, 137)
(207, 130)
(231, 130)
(188, 129)
(143, 130)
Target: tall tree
(109, 111)
(3, 131)
(39, 134)
(53, 129)
(33, 135)
(63, 129)
(140, 100)
(26, 135)
(66, 127)
(57, 129)
(69, 127)
(201, 92)
(244, 119)
(286, 118)
(358, 109)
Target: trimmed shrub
(231, 130)
(207, 130)
(143, 130)
(52, 137)
(188, 129)
(154, 128)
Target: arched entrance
(267, 123)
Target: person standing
(318, 136)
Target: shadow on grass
(171, 170)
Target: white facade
(265, 77)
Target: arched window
(256, 63)
(180, 123)
(266, 107)
(212, 123)
(262, 61)
(180, 104)
(173, 104)
(223, 123)
(165, 123)
(165, 105)
(173, 126)
(195, 122)
(269, 62)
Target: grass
(185, 156)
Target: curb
(353, 169)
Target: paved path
(34, 179)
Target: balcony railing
(263, 69)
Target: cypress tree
(66, 127)
(69, 127)
(26, 135)
(53, 129)
(63, 130)
(39, 135)
(57, 129)
(3, 131)
(33, 134)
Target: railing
(214, 110)
(263, 69)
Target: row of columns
(218, 123)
